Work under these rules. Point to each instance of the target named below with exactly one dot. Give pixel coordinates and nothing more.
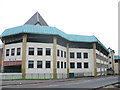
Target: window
(13, 52)
(48, 51)
(64, 54)
(71, 54)
(39, 64)
(79, 65)
(72, 65)
(31, 51)
(64, 64)
(30, 64)
(61, 53)
(61, 64)
(109, 62)
(48, 64)
(116, 61)
(109, 56)
(85, 65)
(7, 52)
(39, 51)
(85, 55)
(58, 52)
(18, 51)
(58, 64)
(78, 55)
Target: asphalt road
(74, 83)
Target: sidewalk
(21, 82)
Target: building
(36, 47)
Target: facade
(36, 47)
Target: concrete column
(100, 63)
(3, 55)
(119, 67)
(94, 57)
(68, 55)
(113, 62)
(24, 41)
(54, 57)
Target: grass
(21, 79)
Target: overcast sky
(82, 17)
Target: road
(74, 83)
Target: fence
(43, 75)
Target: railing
(43, 75)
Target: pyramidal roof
(36, 19)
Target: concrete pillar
(119, 67)
(68, 55)
(3, 55)
(24, 41)
(94, 59)
(54, 57)
(113, 62)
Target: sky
(81, 17)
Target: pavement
(85, 82)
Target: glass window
(61, 53)
(61, 64)
(86, 65)
(48, 64)
(48, 51)
(39, 51)
(58, 64)
(7, 52)
(78, 54)
(64, 64)
(72, 65)
(72, 55)
(18, 51)
(13, 52)
(39, 64)
(31, 51)
(64, 54)
(30, 64)
(58, 52)
(109, 62)
(85, 55)
(116, 61)
(79, 65)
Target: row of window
(48, 52)
(62, 65)
(13, 51)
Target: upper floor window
(61, 64)
(85, 55)
(58, 64)
(64, 54)
(31, 51)
(30, 64)
(61, 53)
(58, 52)
(79, 65)
(39, 51)
(7, 52)
(48, 64)
(48, 51)
(72, 55)
(18, 51)
(86, 65)
(72, 65)
(39, 64)
(13, 52)
(64, 64)
(78, 54)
